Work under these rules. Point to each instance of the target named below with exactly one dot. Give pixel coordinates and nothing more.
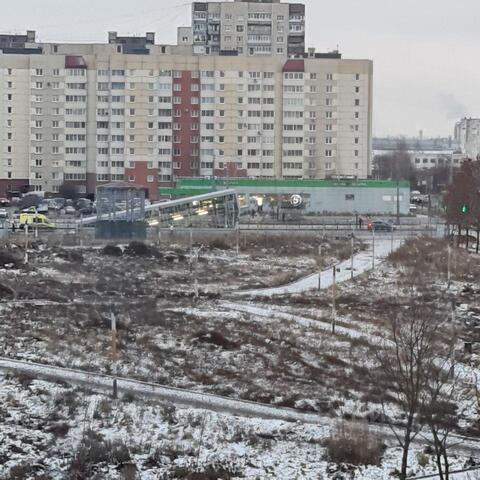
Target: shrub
(217, 339)
(354, 444)
(112, 250)
(59, 429)
(210, 472)
(94, 450)
(220, 244)
(20, 472)
(138, 249)
(8, 258)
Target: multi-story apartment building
(467, 136)
(262, 27)
(132, 110)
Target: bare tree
(462, 200)
(69, 191)
(406, 361)
(445, 392)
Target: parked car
(42, 208)
(29, 210)
(4, 202)
(380, 226)
(89, 210)
(3, 213)
(70, 210)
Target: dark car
(380, 226)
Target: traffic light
(464, 209)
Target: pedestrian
(360, 222)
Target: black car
(380, 226)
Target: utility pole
(398, 199)
(353, 251)
(320, 267)
(334, 293)
(26, 244)
(391, 241)
(114, 352)
(373, 246)
(449, 253)
(195, 280)
(237, 235)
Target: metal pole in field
(353, 251)
(26, 244)
(391, 241)
(320, 267)
(373, 246)
(114, 352)
(448, 265)
(334, 293)
(237, 234)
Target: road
(362, 262)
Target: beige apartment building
(131, 110)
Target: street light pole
(373, 247)
(114, 352)
(353, 248)
(26, 244)
(334, 293)
(320, 267)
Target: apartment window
(150, 178)
(349, 196)
(356, 140)
(357, 76)
(357, 102)
(328, 153)
(357, 152)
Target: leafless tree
(446, 398)
(462, 200)
(407, 362)
(396, 165)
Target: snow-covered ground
(362, 262)
(275, 348)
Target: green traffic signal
(464, 209)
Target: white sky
(425, 52)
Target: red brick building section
(186, 124)
(140, 174)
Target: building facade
(136, 111)
(305, 196)
(264, 27)
(467, 136)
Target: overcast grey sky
(425, 52)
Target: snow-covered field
(271, 346)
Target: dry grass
(353, 443)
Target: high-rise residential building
(467, 136)
(136, 111)
(262, 27)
